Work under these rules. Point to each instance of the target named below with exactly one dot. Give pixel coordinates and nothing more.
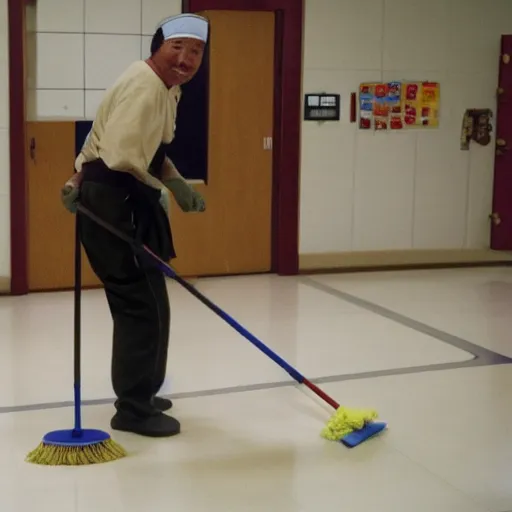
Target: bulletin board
(398, 105)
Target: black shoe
(159, 425)
(162, 404)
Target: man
(124, 176)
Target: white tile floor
(448, 447)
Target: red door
(501, 218)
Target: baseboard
(368, 260)
(377, 260)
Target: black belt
(149, 214)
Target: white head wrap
(185, 25)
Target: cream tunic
(137, 114)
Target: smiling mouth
(179, 72)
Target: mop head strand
(66, 448)
(352, 426)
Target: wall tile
(113, 16)
(4, 45)
(92, 102)
(414, 35)
(343, 34)
(441, 190)
(31, 17)
(480, 194)
(474, 35)
(384, 191)
(145, 50)
(5, 162)
(31, 60)
(46, 103)
(5, 235)
(107, 56)
(59, 16)
(4, 99)
(327, 192)
(154, 11)
(3, 19)
(60, 59)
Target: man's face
(182, 58)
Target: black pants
(136, 291)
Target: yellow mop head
(348, 421)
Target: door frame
(287, 120)
(18, 171)
(286, 137)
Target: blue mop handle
(169, 272)
(77, 431)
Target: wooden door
(501, 226)
(233, 236)
(50, 162)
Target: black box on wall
(322, 107)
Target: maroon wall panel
(18, 187)
(501, 232)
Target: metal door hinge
(267, 143)
(33, 148)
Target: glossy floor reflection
(312, 330)
(448, 444)
(474, 304)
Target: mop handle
(77, 329)
(169, 272)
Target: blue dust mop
(349, 426)
(78, 446)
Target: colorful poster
(398, 105)
(421, 104)
(412, 93)
(395, 105)
(366, 100)
(430, 104)
(381, 107)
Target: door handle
(495, 218)
(501, 147)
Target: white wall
(363, 190)
(5, 216)
(82, 46)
